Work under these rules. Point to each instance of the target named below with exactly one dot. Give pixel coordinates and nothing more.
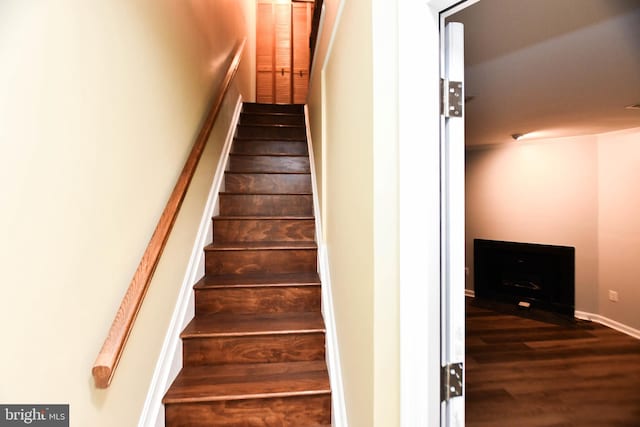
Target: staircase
(254, 355)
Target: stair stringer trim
(170, 359)
(338, 408)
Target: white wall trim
(469, 293)
(338, 410)
(170, 359)
(620, 327)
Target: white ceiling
(550, 68)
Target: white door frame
(419, 199)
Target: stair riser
(273, 108)
(254, 349)
(242, 163)
(260, 261)
(282, 412)
(269, 205)
(271, 119)
(263, 230)
(271, 132)
(251, 300)
(267, 183)
(270, 147)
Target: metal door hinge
(451, 98)
(451, 381)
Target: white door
(452, 232)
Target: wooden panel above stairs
(254, 355)
(283, 50)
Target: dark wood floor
(539, 370)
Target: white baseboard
(620, 327)
(469, 293)
(338, 408)
(170, 359)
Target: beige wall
(619, 225)
(578, 192)
(353, 112)
(100, 105)
(537, 192)
(349, 201)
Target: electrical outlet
(613, 296)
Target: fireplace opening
(541, 275)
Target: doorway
(550, 177)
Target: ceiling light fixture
(517, 136)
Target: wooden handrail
(109, 356)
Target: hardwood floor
(540, 370)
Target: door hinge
(451, 381)
(451, 98)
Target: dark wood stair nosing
(270, 139)
(264, 217)
(253, 193)
(267, 173)
(202, 335)
(272, 125)
(265, 153)
(246, 396)
(239, 325)
(268, 155)
(258, 281)
(205, 287)
(260, 246)
(273, 113)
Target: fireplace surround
(538, 276)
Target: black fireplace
(540, 275)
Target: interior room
(552, 126)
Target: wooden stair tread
(268, 139)
(230, 325)
(267, 217)
(268, 155)
(210, 383)
(235, 193)
(252, 167)
(258, 280)
(267, 173)
(272, 113)
(273, 125)
(252, 246)
(258, 107)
